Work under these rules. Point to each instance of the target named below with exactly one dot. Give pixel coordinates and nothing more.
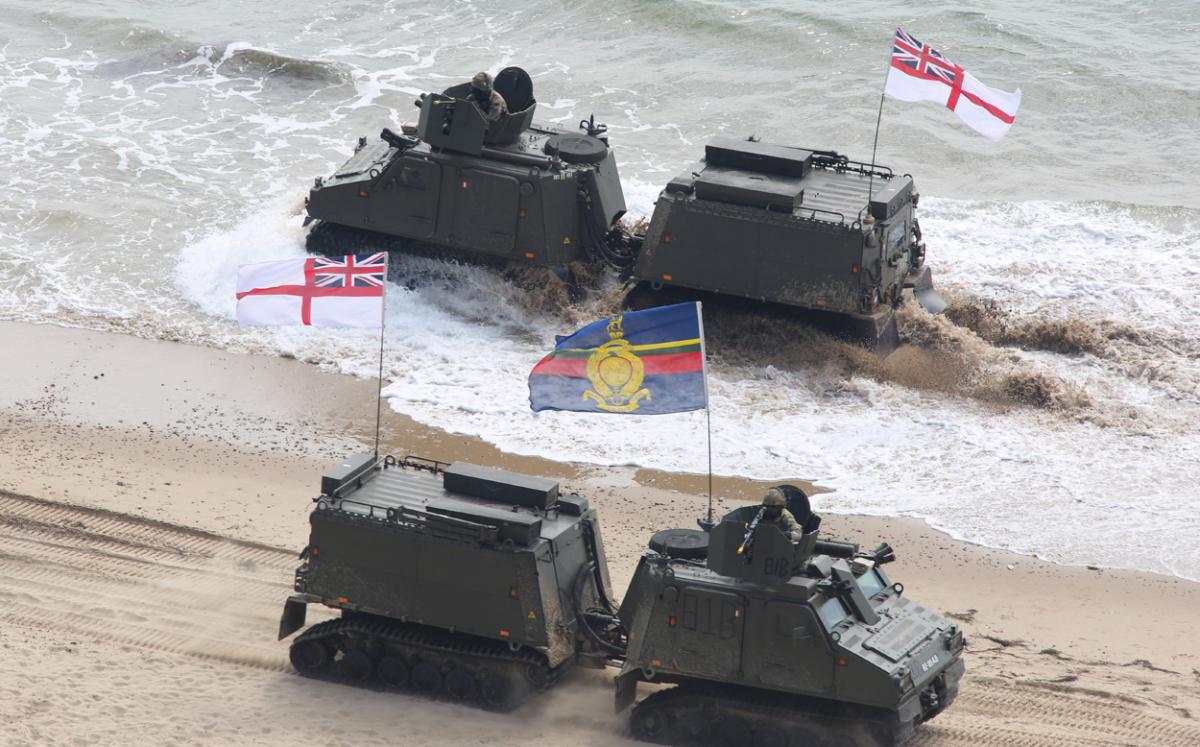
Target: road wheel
(497, 692)
(537, 675)
(355, 664)
(652, 724)
(460, 684)
(311, 657)
(392, 671)
(426, 677)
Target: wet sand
(235, 444)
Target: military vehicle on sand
(796, 229)
(482, 586)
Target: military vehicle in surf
(781, 226)
(485, 587)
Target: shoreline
(339, 399)
(235, 444)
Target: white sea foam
(140, 178)
(459, 349)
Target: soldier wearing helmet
(775, 512)
(485, 97)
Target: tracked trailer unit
(787, 227)
(790, 227)
(478, 585)
(451, 579)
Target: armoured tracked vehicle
(789, 227)
(455, 186)
(478, 585)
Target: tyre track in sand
(1006, 713)
(154, 585)
(141, 582)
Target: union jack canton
(918, 72)
(353, 270)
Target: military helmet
(482, 82)
(774, 498)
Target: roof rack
(841, 164)
(412, 461)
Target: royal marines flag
(919, 72)
(314, 291)
(639, 363)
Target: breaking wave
(245, 60)
(1041, 330)
(1063, 385)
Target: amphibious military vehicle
(482, 586)
(455, 186)
(785, 226)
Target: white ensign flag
(920, 73)
(315, 291)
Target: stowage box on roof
(520, 528)
(498, 485)
(748, 188)
(348, 471)
(729, 153)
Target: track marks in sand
(999, 712)
(141, 582)
(156, 586)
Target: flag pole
(878, 119)
(379, 382)
(706, 523)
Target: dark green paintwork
(742, 228)
(454, 183)
(402, 546)
(756, 622)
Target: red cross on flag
(919, 72)
(314, 291)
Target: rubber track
(159, 586)
(720, 703)
(423, 641)
(332, 239)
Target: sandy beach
(153, 496)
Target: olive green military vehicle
(790, 228)
(456, 186)
(794, 228)
(481, 586)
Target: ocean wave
(241, 59)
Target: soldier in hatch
(490, 103)
(775, 512)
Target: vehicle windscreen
(870, 583)
(832, 612)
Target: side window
(895, 238)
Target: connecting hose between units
(584, 615)
(620, 258)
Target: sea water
(149, 149)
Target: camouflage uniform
(489, 102)
(785, 521)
